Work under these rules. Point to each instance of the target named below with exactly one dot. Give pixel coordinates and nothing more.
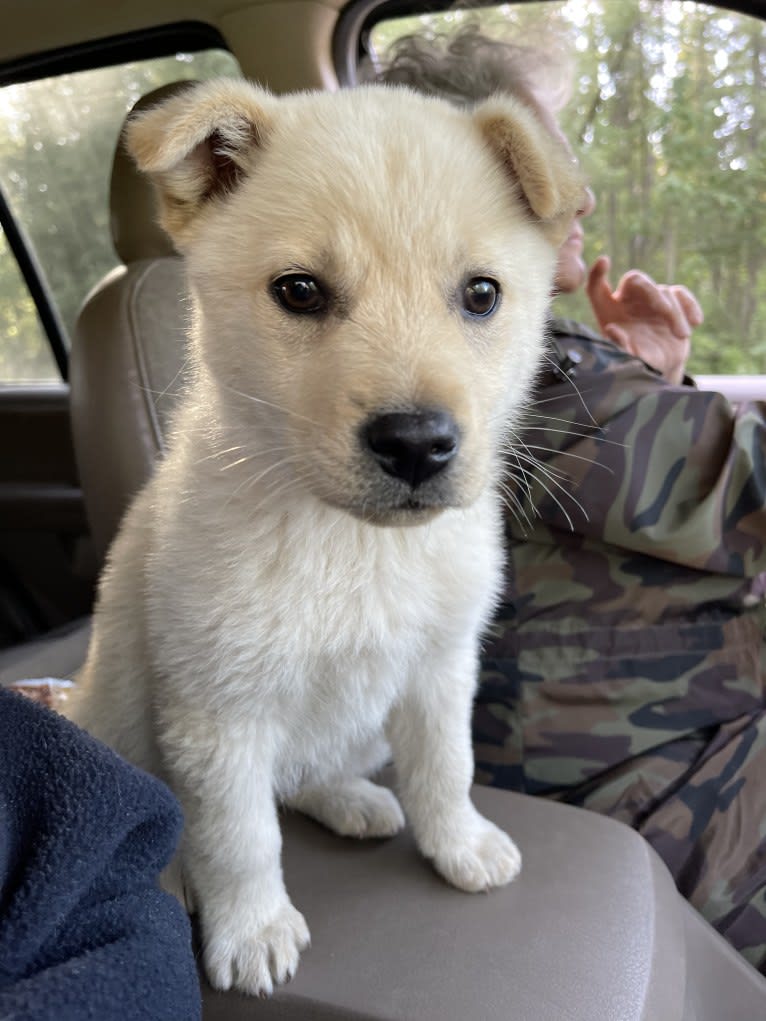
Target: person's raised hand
(652, 321)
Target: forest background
(668, 116)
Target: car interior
(595, 929)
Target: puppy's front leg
(252, 934)
(430, 736)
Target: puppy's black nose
(413, 446)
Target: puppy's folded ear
(543, 166)
(198, 145)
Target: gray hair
(467, 66)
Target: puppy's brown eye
(299, 293)
(480, 296)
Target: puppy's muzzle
(412, 446)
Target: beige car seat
(126, 366)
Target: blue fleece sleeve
(85, 931)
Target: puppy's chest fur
(306, 618)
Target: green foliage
(25, 353)
(57, 141)
(669, 118)
(668, 114)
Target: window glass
(668, 115)
(57, 139)
(25, 354)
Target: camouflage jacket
(633, 613)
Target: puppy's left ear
(547, 173)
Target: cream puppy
(303, 582)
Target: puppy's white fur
(276, 603)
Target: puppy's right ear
(198, 145)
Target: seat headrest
(133, 214)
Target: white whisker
(254, 479)
(548, 470)
(579, 435)
(220, 453)
(240, 460)
(574, 386)
(268, 404)
(568, 453)
(515, 506)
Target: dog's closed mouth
(411, 503)
(409, 511)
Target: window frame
(162, 41)
(358, 17)
(37, 285)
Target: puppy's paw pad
(481, 860)
(255, 960)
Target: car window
(57, 138)
(25, 354)
(669, 117)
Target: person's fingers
(691, 307)
(646, 299)
(598, 275)
(675, 302)
(639, 288)
(677, 366)
(674, 313)
(599, 290)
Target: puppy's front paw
(253, 958)
(479, 857)
(353, 808)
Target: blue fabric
(85, 932)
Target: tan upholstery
(59, 654)
(128, 351)
(592, 930)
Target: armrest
(593, 928)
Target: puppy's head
(371, 271)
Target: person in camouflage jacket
(625, 671)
